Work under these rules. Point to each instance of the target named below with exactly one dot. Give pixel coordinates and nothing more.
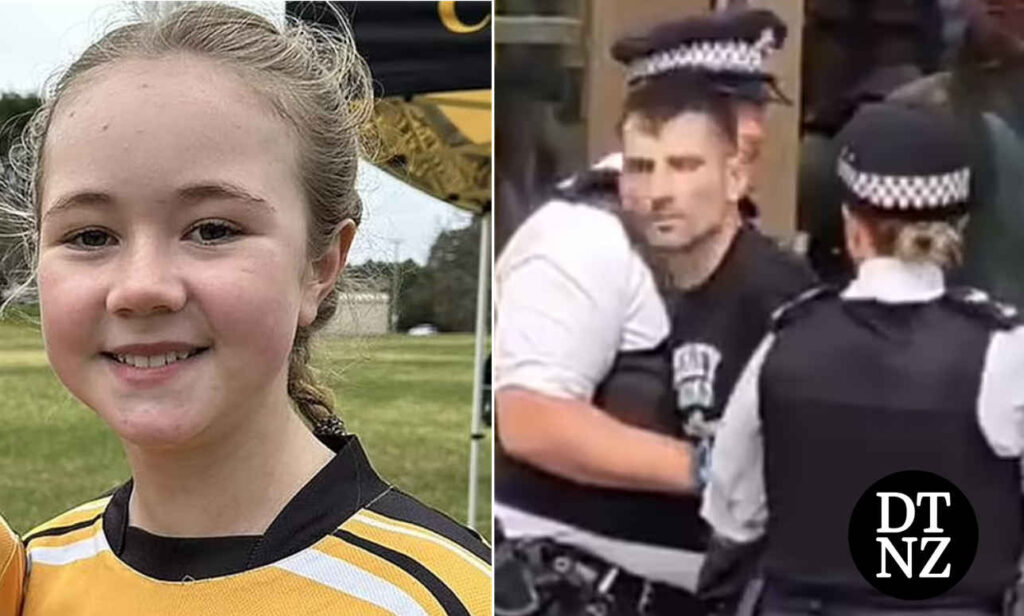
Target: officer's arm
(1001, 397)
(734, 501)
(577, 441)
(566, 306)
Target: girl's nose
(147, 284)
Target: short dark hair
(662, 98)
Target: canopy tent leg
(483, 312)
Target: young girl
(12, 571)
(190, 186)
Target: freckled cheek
(253, 310)
(71, 312)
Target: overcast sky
(37, 38)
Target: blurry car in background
(423, 329)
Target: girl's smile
(148, 365)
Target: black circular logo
(913, 535)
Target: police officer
(589, 463)
(895, 364)
(724, 278)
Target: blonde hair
(925, 241)
(313, 79)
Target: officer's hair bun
(937, 242)
(921, 241)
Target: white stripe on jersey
(67, 554)
(340, 575)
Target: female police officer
(921, 376)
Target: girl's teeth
(152, 361)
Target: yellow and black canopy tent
(431, 64)
(441, 144)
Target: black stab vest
(852, 391)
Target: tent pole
(483, 312)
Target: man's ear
(322, 274)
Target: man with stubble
(684, 175)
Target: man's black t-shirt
(717, 326)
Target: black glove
(728, 568)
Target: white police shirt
(735, 502)
(571, 293)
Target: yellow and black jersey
(12, 571)
(347, 543)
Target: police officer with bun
(895, 371)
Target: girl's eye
(213, 232)
(90, 239)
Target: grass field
(408, 399)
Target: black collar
(341, 488)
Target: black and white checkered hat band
(717, 56)
(907, 192)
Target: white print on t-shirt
(694, 367)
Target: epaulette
(978, 304)
(794, 308)
(592, 185)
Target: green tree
(416, 296)
(414, 291)
(452, 266)
(371, 276)
(15, 111)
(443, 292)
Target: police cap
(728, 47)
(906, 161)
